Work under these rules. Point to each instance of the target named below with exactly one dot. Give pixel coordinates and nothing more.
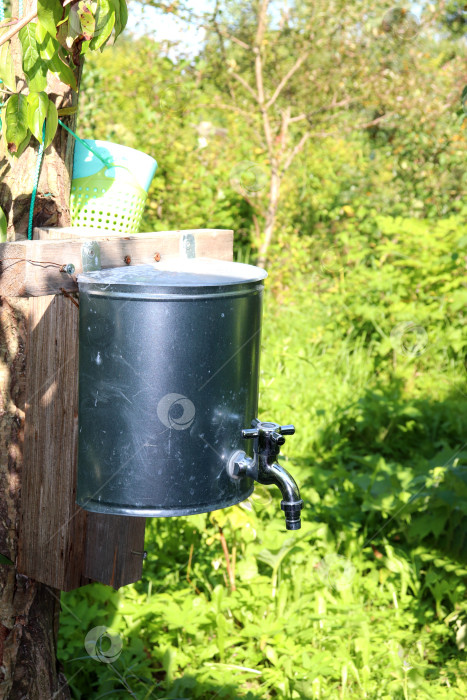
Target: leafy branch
(63, 33)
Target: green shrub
(364, 350)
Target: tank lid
(198, 272)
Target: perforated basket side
(105, 203)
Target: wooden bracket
(59, 543)
(36, 268)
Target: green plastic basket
(107, 203)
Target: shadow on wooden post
(60, 544)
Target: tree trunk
(29, 610)
(270, 220)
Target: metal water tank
(168, 378)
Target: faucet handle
(277, 438)
(250, 433)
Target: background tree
(296, 74)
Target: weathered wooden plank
(33, 268)
(114, 549)
(12, 270)
(59, 541)
(67, 233)
(52, 527)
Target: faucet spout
(291, 502)
(263, 468)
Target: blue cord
(107, 161)
(35, 183)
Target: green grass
(364, 351)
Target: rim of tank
(158, 512)
(174, 277)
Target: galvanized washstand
(168, 380)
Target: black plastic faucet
(263, 467)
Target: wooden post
(59, 543)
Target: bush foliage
(364, 350)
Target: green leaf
(40, 108)
(4, 560)
(49, 13)
(34, 67)
(71, 30)
(23, 145)
(271, 655)
(63, 71)
(38, 105)
(84, 47)
(105, 21)
(7, 73)
(16, 117)
(48, 46)
(51, 124)
(27, 37)
(41, 33)
(121, 16)
(3, 229)
(87, 19)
